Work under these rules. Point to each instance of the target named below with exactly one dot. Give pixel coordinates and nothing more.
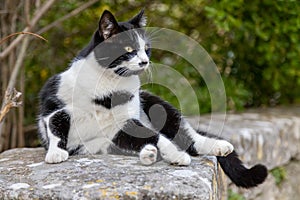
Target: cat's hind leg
(207, 145)
(136, 136)
(168, 120)
(57, 127)
(168, 151)
(171, 154)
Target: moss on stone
(279, 174)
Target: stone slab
(24, 175)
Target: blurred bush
(255, 44)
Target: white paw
(178, 158)
(148, 154)
(222, 148)
(56, 155)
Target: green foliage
(279, 174)
(255, 44)
(234, 196)
(264, 39)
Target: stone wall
(267, 136)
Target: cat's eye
(129, 49)
(146, 47)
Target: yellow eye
(129, 49)
(146, 47)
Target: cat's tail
(239, 174)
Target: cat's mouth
(125, 72)
(140, 71)
(137, 72)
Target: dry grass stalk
(11, 101)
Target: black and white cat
(96, 106)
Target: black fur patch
(75, 151)
(44, 138)
(125, 57)
(49, 102)
(114, 99)
(167, 120)
(134, 135)
(59, 125)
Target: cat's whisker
(149, 73)
(124, 72)
(104, 58)
(121, 71)
(133, 65)
(153, 32)
(153, 39)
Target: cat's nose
(143, 63)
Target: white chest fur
(82, 83)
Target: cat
(97, 106)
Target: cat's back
(49, 100)
(56, 91)
(50, 88)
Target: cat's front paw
(56, 156)
(222, 148)
(180, 158)
(148, 155)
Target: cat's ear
(139, 20)
(108, 25)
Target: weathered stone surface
(268, 136)
(24, 175)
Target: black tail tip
(259, 173)
(239, 174)
(255, 176)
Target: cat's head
(121, 46)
